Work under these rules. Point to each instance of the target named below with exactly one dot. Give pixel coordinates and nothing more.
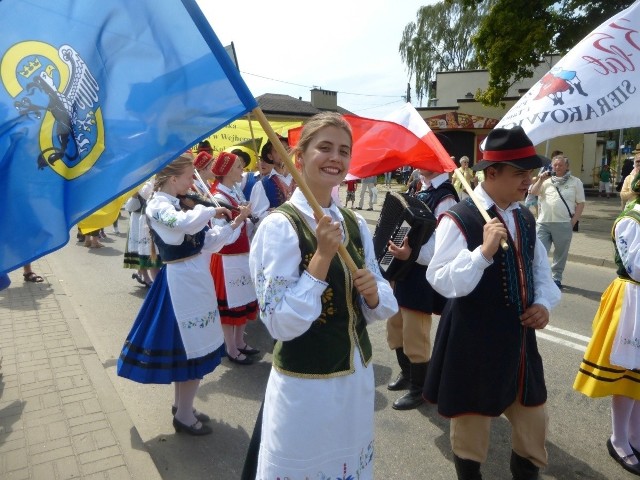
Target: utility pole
(408, 92)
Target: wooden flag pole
(253, 138)
(304, 188)
(478, 203)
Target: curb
(136, 456)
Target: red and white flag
(381, 146)
(594, 87)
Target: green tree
(514, 35)
(439, 40)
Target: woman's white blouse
(290, 302)
(627, 234)
(172, 224)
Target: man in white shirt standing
(560, 205)
(485, 359)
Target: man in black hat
(485, 359)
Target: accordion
(401, 216)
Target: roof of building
(278, 104)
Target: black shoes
(467, 469)
(202, 417)
(400, 383)
(624, 461)
(194, 429)
(240, 361)
(402, 380)
(248, 351)
(522, 468)
(413, 398)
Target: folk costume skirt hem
(235, 316)
(597, 377)
(153, 351)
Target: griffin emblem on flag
(56, 88)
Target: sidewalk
(61, 417)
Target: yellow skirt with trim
(596, 376)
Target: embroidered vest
(621, 271)
(252, 178)
(276, 190)
(241, 245)
(326, 348)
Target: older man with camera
(561, 202)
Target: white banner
(595, 87)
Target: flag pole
(253, 138)
(304, 188)
(478, 203)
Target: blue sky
(348, 46)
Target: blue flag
(97, 96)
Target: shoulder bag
(576, 226)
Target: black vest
(483, 358)
(190, 246)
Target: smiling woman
(318, 311)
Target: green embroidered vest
(622, 272)
(326, 349)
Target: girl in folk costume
(611, 364)
(276, 187)
(202, 164)
(177, 335)
(319, 403)
(230, 267)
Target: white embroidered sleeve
(627, 235)
(388, 304)
(289, 302)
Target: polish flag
(380, 146)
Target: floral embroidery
(241, 281)
(366, 457)
(328, 308)
(373, 266)
(166, 217)
(623, 250)
(200, 322)
(270, 293)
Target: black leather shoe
(193, 429)
(467, 469)
(523, 468)
(400, 383)
(623, 461)
(240, 361)
(203, 417)
(410, 400)
(248, 351)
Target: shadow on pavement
(219, 455)
(562, 465)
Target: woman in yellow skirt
(611, 364)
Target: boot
(402, 380)
(522, 468)
(413, 398)
(467, 469)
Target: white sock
(186, 396)
(621, 407)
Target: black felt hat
(510, 146)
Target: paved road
(108, 300)
(102, 300)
